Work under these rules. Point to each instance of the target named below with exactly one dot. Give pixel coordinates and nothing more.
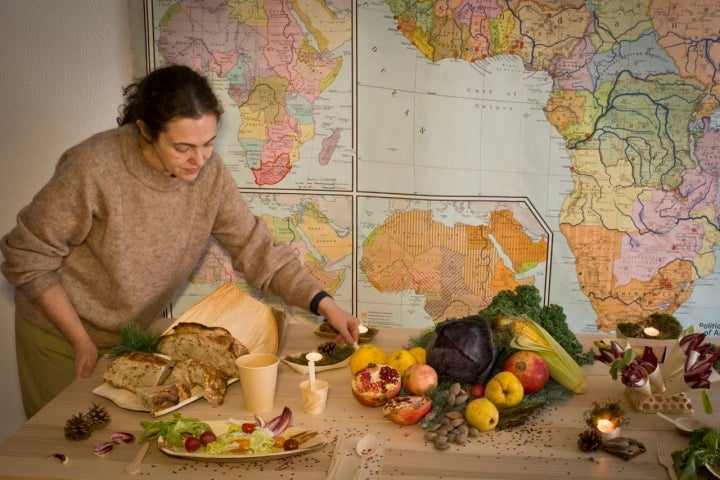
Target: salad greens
(173, 430)
(703, 449)
(261, 440)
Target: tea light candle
(651, 331)
(361, 329)
(312, 357)
(606, 428)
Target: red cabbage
(462, 350)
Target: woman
(121, 224)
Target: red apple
(530, 368)
(477, 390)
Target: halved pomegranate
(375, 384)
(407, 410)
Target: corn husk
(250, 321)
(529, 335)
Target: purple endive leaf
(104, 448)
(634, 375)
(124, 437)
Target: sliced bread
(212, 345)
(212, 380)
(134, 370)
(162, 397)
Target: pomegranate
(375, 384)
(419, 379)
(530, 368)
(407, 410)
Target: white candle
(651, 331)
(312, 357)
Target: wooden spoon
(135, 466)
(365, 448)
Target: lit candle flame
(605, 426)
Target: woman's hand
(86, 357)
(56, 305)
(347, 326)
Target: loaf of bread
(134, 370)
(157, 399)
(194, 372)
(212, 345)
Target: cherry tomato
(279, 442)
(243, 445)
(291, 444)
(249, 427)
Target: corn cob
(529, 335)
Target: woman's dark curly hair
(166, 94)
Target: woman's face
(185, 145)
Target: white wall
(64, 63)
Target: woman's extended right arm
(57, 307)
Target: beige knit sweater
(122, 238)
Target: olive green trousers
(45, 365)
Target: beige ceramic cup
(314, 400)
(258, 378)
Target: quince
(365, 355)
(482, 414)
(504, 390)
(401, 360)
(420, 354)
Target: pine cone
(77, 427)
(589, 441)
(327, 348)
(97, 417)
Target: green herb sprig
(133, 338)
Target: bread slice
(161, 397)
(212, 380)
(212, 345)
(134, 370)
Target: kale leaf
(525, 299)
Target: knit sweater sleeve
(272, 267)
(58, 218)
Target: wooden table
(545, 446)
